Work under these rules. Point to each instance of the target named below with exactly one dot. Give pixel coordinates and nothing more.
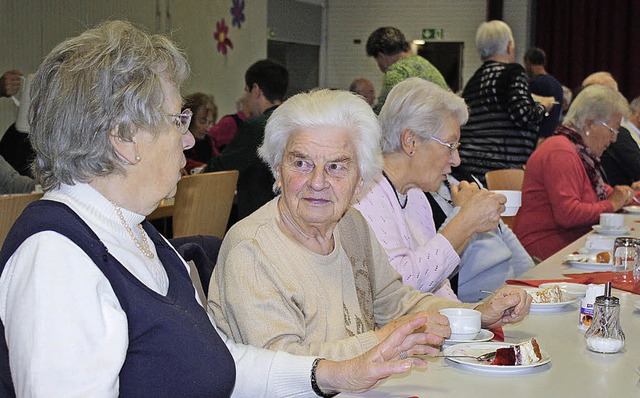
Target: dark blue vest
(174, 350)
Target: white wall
(348, 20)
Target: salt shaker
(605, 334)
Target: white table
(573, 371)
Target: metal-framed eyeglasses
(613, 131)
(182, 120)
(453, 146)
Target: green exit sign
(433, 34)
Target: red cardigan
(559, 205)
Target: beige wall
(31, 28)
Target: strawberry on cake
(525, 353)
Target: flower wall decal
(221, 36)
(237, 12)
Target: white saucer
(484, 335)
(586, 261)
(632, 209)
(610, 231)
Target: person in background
(489, 258)
(567, 96)
(205, 112)
(364, 88)
(223, 132)
(95, 302)
(563, 193)
(266, 83)
(621, 161)
(12, 182)
(502, 130)
(420, 125)
(392, 53)
(603, 78)
(10, 83)
(543, 84)
(307, 264)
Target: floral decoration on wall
(222, 37)
(237, 12)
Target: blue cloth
(174, 350)
(547, 86)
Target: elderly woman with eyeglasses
(307, 264)
(563, 193)
(420, 131)
(94, 301)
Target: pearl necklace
(142, 246)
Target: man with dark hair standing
(390, 49)
(266, 84)
(545, 85)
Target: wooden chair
(203, 203)
(10, 208)
(505, 179)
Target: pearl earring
(587, 133)
(138, 158)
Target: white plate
(549, 307)
(484, 335)
(576, 289)
(586, 261)
(476, 349)
(632, 209)
(608, 231)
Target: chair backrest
(505, 179)
(203, 203)
(11, 207)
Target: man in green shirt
(390, 49)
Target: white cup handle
(15, 101)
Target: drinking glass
(625, 258)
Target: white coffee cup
(596, 243)
(611, 220)
(514, 201)
(464, 323)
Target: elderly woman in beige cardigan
(304, 273)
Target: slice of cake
(552, 294)
(524, 353)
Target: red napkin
(538, 282)
(619, 280)
(498, 334)
(591, 277)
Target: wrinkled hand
(369, 369)
(509, 304)
(10, 83)
(636, 186)
(481, 211)
(462, 192)
(547, 102)
(621, 196)
(436, 328)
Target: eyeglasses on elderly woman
(182, 120)
(453, 146)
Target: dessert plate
(568, 298)
(586, 261)
(610, 231)
(576, 289)
(632, 209)
(477, 349)
(484, 335)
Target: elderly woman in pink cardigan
(420, 136)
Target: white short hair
(325, 108)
